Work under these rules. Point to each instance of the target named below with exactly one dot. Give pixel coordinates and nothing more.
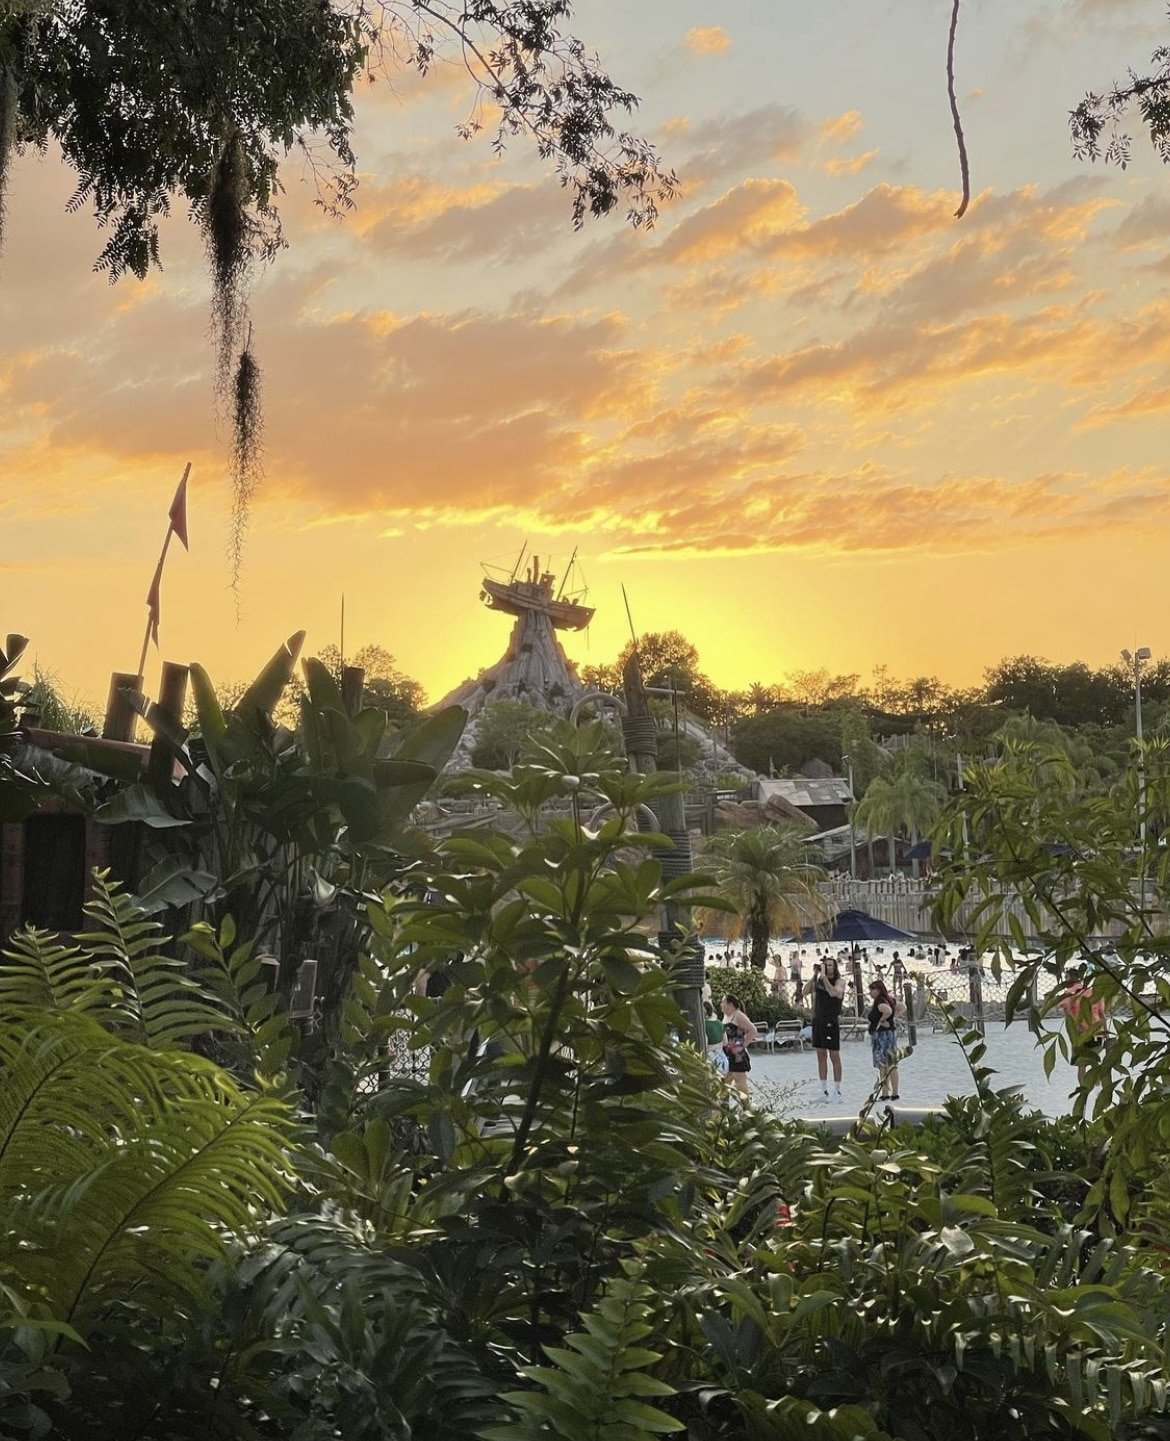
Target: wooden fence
(908, 904)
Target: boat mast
(567, 574)
(516, 567)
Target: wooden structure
(47, 861)
(534, 594)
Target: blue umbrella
(851, 926)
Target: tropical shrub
(284, 832)
(522, 1206)
(129, 1168)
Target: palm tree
(877, 813)
(767, 875)
(905, 801)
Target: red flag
(179, 509)
(154, 602)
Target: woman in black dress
(828, 990)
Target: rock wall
(535, 669)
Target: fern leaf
(119, 1163)
(158, 1004)
(38, 972)
(597, 1386)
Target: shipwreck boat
(535, 593)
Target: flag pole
(150, 618)
(156, 583)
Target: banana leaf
(138, 803)
(212, 724)
(174, 883)
(19, 794)
(324, 692)
(103, 760)
(262, 695)
(171, 732)
(14, 647)
(433, 742)
(370, 726)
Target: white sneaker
(825, 1093)
(837, 1094)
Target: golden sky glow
(810, 419)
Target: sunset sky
(810, 420)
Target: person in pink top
(1085, 1015)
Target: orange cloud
(707, 40)
(843, 127)
(850, 164)
(1143, 403)
(740, 219)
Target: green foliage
(507, 728)
(903, 800)
(116, 973)
(1072, 864)
(53, 708)
(787, 738)
(598, 1387)
(748, 984)
(257, 1037)
(527, 1209)
(20, 792)
(144, 102)
(149, 1160)
(386, 686)
(283, 830)
(1098, 125)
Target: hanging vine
(232, 236)
(247, 452)
(956, 118)
(227, 232)
(202, 102)
(7, 135)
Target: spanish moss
(227, 230)
(247, 450)
(7, 136)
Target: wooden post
(641, 739)
(171, 699)
(119, 721)
(911, 1021)
(352, 688)
(975, 987)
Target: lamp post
(1135, 662)
(852, 833)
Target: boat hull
(520, 597)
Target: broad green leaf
(138, 803)
(262, 695)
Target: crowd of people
(833, 986)
(731, 1034)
